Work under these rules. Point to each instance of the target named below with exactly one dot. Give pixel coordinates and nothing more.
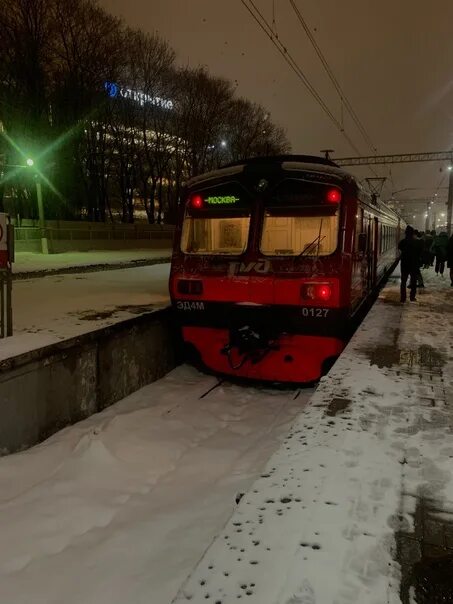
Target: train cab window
(301, 217)
(215, 235)
(216, 222)
(313, 232)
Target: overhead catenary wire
(344, 99)
(345, 103)
(267, 28)
(281, 48)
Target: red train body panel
(272, 259)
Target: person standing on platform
(419, 240)
(450, 258)
(410, 263)
(427, 257)
(439, 248)
(433, 235)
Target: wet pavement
(424, 524)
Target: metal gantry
(404, 158)
(401, 158)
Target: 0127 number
(315, 312)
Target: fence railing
(86, 232)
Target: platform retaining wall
(46, 389)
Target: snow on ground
(53, 308)
(120, 507)
(320, 524)
(28, 262)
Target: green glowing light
(222, 200)
(30, 162)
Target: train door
(376, 251)
(371, 248)
(358, 279)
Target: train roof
(289, 162)
(310, 163)
(280, 159)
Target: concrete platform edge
(43, 390)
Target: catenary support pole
(450, 201)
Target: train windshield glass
(216, 222)
(301, 218)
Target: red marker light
(324, 292)
(316, 292)
(196, 201)
(333, 196)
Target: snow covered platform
(117, 509)
(81, 342)
(52, 309)
(356, 507)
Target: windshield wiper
(317, 241)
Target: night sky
(393, 59)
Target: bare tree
(88, 51)
(251, 132)
(151, 60)
(25, 59)
(202, 104)
(152, 129)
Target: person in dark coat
(450, 258)
(419, 240)
(410, 263)
(439, 248)
(427, 257)
(433, 235)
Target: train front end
(259, 277)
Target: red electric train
(273, 258)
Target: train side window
(362, 243)
(358, 229)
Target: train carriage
(273, 257)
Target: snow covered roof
(229, 171)
(311, 167)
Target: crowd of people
(423, 250)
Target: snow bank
(29, 262)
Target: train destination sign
(222, 200)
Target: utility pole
(450, 200)
(42, 223)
